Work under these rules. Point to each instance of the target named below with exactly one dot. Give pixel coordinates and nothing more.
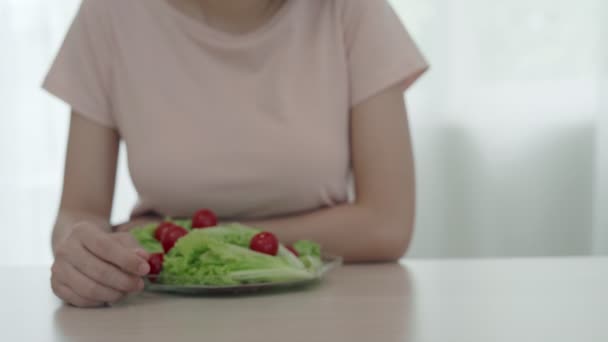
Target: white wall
(600, 242)
(506, 126)
(33, 129)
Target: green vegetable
(310, 254)
(200, 259)
(145, 237)
(182, 223)
(234, 233)
(307, 248)
(221, 256)
(290, 258)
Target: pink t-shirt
(252, 125)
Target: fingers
(93, 267)
(106, 248)
(70, 297)
(128, 241)
(83, 286)
(105, 273)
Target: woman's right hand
(93, 267)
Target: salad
(202, 252)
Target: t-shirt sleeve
(379, 49)
(81, 74)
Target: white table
(436, 301)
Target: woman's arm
(92, 266)
(89, 176)
(378, 225)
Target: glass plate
(329, 263)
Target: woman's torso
(250, 126)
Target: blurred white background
(510, 128)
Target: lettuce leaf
(182, 223)
(290, 258)
(306, 247)
(310, 254)
(234, 233)
(202, 259)
(145, 237)
(221, 256)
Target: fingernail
(144, 269)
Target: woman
(258, 110)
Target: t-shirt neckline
(207, 31)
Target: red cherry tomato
(162, 229)
(293, 250)
(265, 243)
(204, 218)
(156, 265)
(170, 238)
